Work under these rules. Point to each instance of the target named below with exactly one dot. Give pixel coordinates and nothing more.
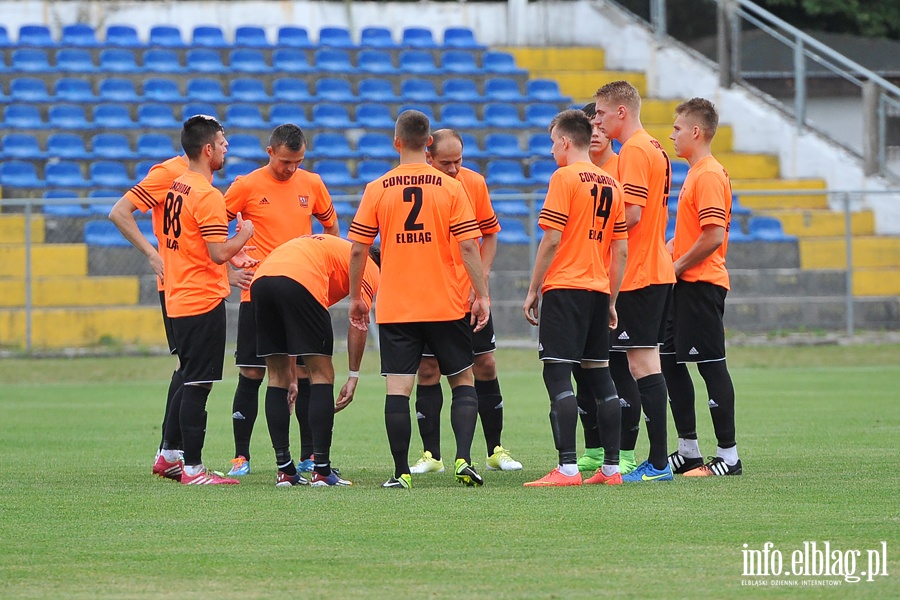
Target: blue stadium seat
(65, 174)
(294, 37)
(291, 90)
(369, 170)
(68, 146)
(503, 145)
(544, 90)
(21, 146)
(248, 61)
(737, 208)
(245, 146)
(118, 60)
(539, 144)
(460, 62)
(377, 37)
(462, 38)
(679, 172)
(157, 116)
(209, 36)
(116, 89)
(503, 89)
(512, 231)
(250, 37)
(166, 36)
(331, 145)
(105, 234)
(502, 115)
(162, 90)
(204, 61)
(461, 90)
(737, 236)
(105, 173)
(418, 62)
(79, 35)
(110, 196)
(331, 115)
(237, 168)
(114, 146)
(198, 108)
(418, 90)
(422, 108)
(335, 174)
(471, 148)
(502, 63)
(122, 36)
(205, 90)
(345, 210)
(670, 229)
(244, 116)
(36, 35)
(64, 210)
(768, 229)
(333, 61)
(142, 168)
(418, 37)
(162, 61)
(157, 146)
(330, 89)
(75, 61)
(72, 89)
(5, 42)
(377, 90)
(249, 90)
(472, 165)
(22, 116)
(376, 145)
(509, 208)
(18, 174)
(540, 115)
(375, 62)
(28, 89)
(288, 113)
(460, 116)
(290, 61)
(506, 172)
(67, 116)
(374, 116)
(542, 170)
(335, 37)
(30, 61)
(112, 116)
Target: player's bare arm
(221, 252)
(633, 214)
(358, 313)
(710, 239)
(618, 257)
(122, 215)
(481, 307)
(356, 346)
(488, 254)
(546, 252)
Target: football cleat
(333, 479)
(427, 464)
(403, 482)
(500, 460)
(646, 472)
(168, 470)
(466, 474)
(681, 464)
(627, 464)
(555, 478)
(716, 466)
(285, 480)
(591, 460)
(599, 478)
(206, 477)
(240, 466)
(306, 466)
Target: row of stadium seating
(326, 89)
(201, 60)
(81, 35)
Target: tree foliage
(870, 18)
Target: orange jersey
(644, 172)
(321, 264)
(480, 201)
(705, 199)
(280, 210)
(150, 193)
(194, 215)
(417, 209)
(612, 165)
(585, 203)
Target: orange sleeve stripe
(489, 225)
(144, 196)
(363, 230)
(711, 213)
(327, 215)
(635, 190)
(231, 216)
(464, 227)
(367, 288)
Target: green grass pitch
(82, 517)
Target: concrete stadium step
(12, 229)
(54, 328)
(870, 252)
(876, 282)
(822, 223)
(773, 200)
(785, 283)
(811, 313)
(70, 291)
(47, 260)
(581, 85)
(749, 166)
(564, 58)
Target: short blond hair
(620, 92)
(703, 112)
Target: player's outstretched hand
(345, 397)
(613, 317)
(481, 312)
(244, 225)
(359, 315)
(242, 260)
(240, 278)
(531, 308)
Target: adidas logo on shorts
(693, 351)
(624, 336)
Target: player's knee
(485, 367)
(256, 373)
(429, 372)
(643, 362)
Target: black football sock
(172, 439)
(301, 410)
(174, 384)
(587, 409)
(653, 400)
(399, 430)
(721, 400)
(630, 396)
(429, 402)
(321, 421)
(193, 422)
(681, 396)
(563, 409)
(490, 409)
(278, 418)
(609, 412)
(463, 415)
(244, 409)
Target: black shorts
(574, 326)
(245, 353)
(642, 317)
(167, 323)
(695, 329)
(201, 345)
(289, 320)
(402, 345)
(483, 341)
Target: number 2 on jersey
(414, 195)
